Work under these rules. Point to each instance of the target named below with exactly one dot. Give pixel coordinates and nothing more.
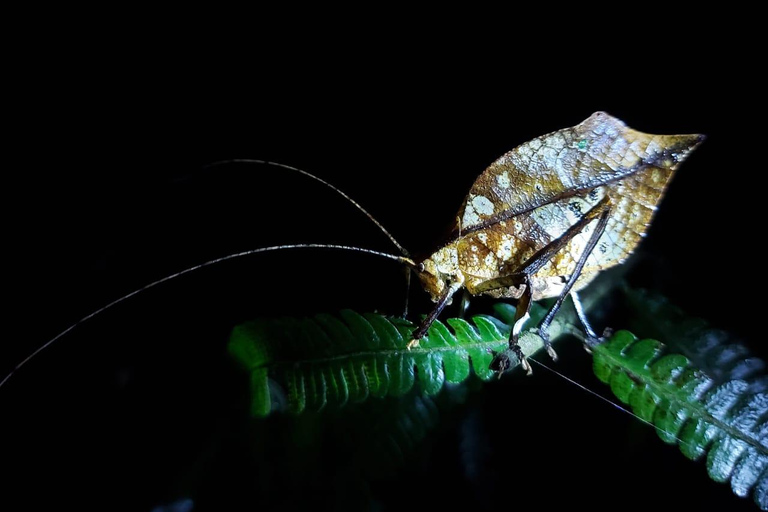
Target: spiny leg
(592, 338)
(501, 360)
(444, 299)
(593, 239)
(533, 264)
(522, 311)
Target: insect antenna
(610, 402)
(400, 259)
(354, 203)
(403, 258)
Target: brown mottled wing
(598, 151)
(498, 247)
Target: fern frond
(726, 421)
(721, 354)
(326, 360)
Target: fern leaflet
(727, 422)
(299, 364)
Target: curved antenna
(400, 259)
(402, 249)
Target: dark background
(109, 194)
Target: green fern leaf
(310, 364)
(725, 421)
(721, 354)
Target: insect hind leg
(591, 243)
(592, 338)
(601, 212)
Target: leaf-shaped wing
(598, 151)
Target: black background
(109, 193)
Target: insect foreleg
(501, 360)
(444, 299)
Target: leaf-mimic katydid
(541, 221)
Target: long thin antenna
(402, 249)
(401, 259)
